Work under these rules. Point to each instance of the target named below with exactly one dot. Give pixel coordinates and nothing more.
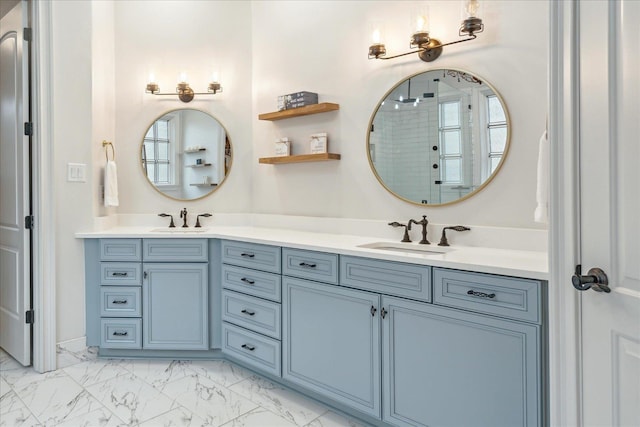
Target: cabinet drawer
(252, 282)
(120, 273)
(252, 255)
(121, 333)
(387, 277)
(311, 265)
(120, 250)
(251, 313)
(255, 350)
(175, 250)
(485, 293)
(120, 301)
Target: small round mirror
(438, 137)
(186, 154)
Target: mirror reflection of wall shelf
(300, 111)
(301, 158)
(185, 131)
(183, 90)
(438, 137)
(429, 48)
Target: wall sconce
(428, 48)
(183, 90)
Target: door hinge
(27, 34)
(28, 317)
(29, 222)
(28, 128)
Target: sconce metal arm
(436, 45)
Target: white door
(610, 210)
(15, 277)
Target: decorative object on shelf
(283, 147)
(194, 149)
(183, 90)
(318, 143)
(428, 48)
(297, 100)
(301, 158)
(300, 111)
(206, 179)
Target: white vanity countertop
(517, 263)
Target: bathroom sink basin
(178, 230)
(413, 248)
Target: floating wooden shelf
(301, 111)
(195, 151)
(299, 158)
(203, 185)
(199, 166)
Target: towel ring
(106, 152)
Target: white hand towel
(541, 213)
(111, 184)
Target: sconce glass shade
(471, 22)
(377, 50)
(419, 39)
(152, 88)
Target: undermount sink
(178, 230)
(407, 247)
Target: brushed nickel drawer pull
(249, 312)
(119, 301)
(119, 274)
(248, 347)
(307, 265)
(120, 334)
(480, 294)
(249, 281)
(246, 255)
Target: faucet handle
(164, 215)
(206, 215)
(443, 240)
(396, 224)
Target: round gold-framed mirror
(186, 154)
(438, 137)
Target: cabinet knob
(120, 334)
(119, 274)
(246, 255)
(119, 301)
(383, 312)
(307, 265)
(249, 281)
(480, 294)
(249, 312)
(373, 311)
(248, 347)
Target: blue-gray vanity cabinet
(175, 308)
(331, 342)
(446, 367)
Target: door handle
(595, 279)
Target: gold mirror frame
(471, 193)
(227, 167)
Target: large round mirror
(438, 137)
(186, 154)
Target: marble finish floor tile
(131, 399)
(286, 403)
(220, 371)
(152, 393)
(211, 401)
(259, 417)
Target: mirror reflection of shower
(438, 136)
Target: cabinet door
(447, 367)
(175, 306)
(331, 342)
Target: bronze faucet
(423, 222)
(443, 239)
(183, 214)
(206, 215)
(164, 215)
(405, 238)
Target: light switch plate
(76, 172)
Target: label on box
(318, 143)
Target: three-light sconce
(183, 90)
(428, 48)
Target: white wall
(73, 143)
(322, 46)
(264, 49)
(166, 38)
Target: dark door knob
(595, 279)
